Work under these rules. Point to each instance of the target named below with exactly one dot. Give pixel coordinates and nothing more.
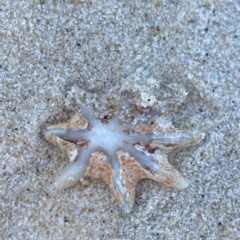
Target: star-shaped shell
(120, 155)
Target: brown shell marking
(77, 121)
(65, 146)
(152, 126)
(99, 168)
(132, 172)
(163, 147)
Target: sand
(181, 58)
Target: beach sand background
(179, 57)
